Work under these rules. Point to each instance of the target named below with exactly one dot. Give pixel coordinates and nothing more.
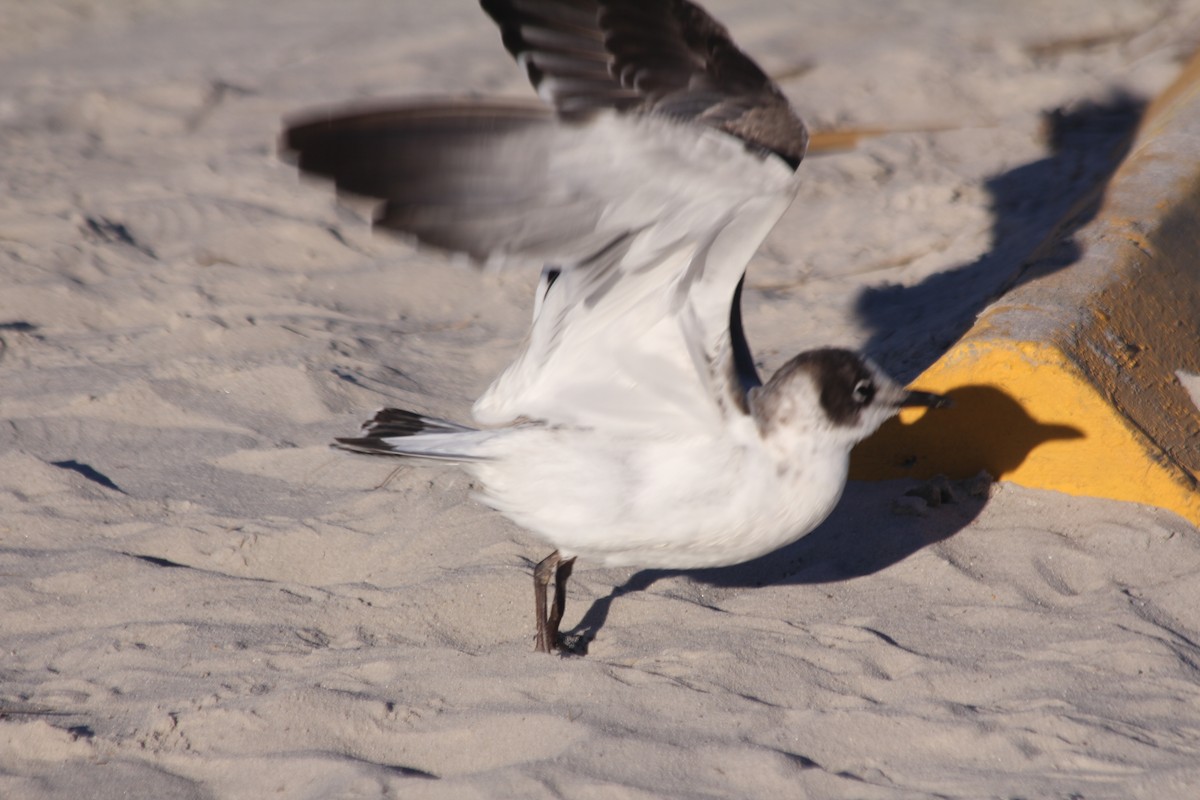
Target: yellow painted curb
(1071, 380)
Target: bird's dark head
(834, 390)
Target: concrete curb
(1075, 380)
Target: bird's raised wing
(643, 197)
(666, 57)
(644, 331)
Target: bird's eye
(864, 391)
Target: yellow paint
(1032, 410)
(1036, 421)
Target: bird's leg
(548, 621)
(560, 600)
(541, 580)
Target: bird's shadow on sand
(874, 526)
(1037, 209)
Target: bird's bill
(924, 399)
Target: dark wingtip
(357, 444)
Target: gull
(632, 428)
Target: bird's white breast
(672, 502)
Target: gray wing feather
(461, 176)
(666, 57)
(635, 192)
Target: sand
(201, 599)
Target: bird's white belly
(667, 503)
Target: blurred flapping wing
(667, 159)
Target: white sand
(200, 599)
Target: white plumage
(632, 428)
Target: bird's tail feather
(396, 432)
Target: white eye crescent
(864, 391)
